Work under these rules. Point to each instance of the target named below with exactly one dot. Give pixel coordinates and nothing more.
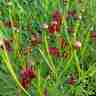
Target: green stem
(9, 66)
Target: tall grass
(73, 75)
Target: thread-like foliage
(47, 47)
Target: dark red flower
(8, 46)
(45, 92)
(54, 51)
(28, 72)
(55, 25)
(24, 74)
(52, 28)
(73, 14)
(71, 80)
(25, 83)
(57, 17)
(31, 73)
(93, 35)
(27, 75)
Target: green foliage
(26, 17)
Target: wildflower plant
(47, 48)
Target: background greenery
(29, 16)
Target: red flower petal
(57, 17)
(25, 83)
(54, 28)
(27, 74)
(31, 73)
(93, 34)
(54, 51)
